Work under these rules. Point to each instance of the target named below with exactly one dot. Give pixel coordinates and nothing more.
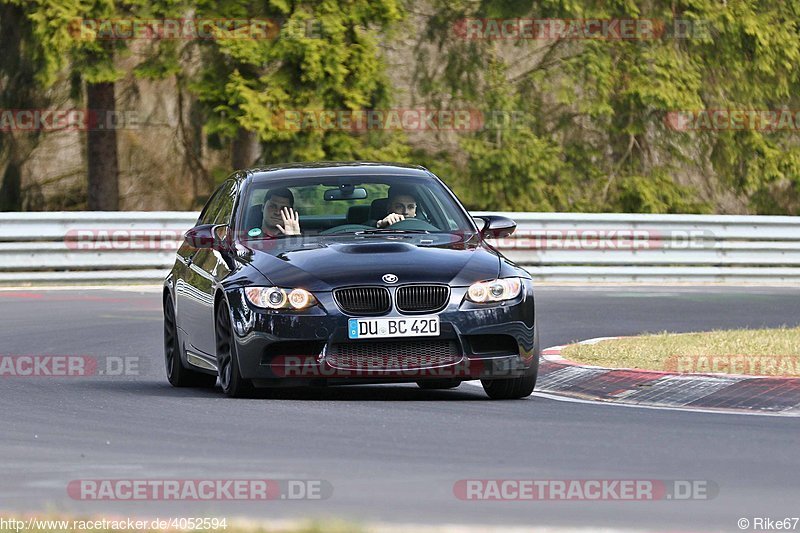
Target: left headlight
(496, 290)
(278, 298)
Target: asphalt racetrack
(391, 453)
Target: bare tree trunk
(101, 152)
(245, 149)
(18, 90)
(10, 190)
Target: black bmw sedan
(346, 273)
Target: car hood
(319, 265)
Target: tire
(515, 388)
(230, 378)
(434, 384)
(510, 389)
(177, 374)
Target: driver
(402, 205)
(279, 217)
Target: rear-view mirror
(346, 193)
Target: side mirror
(496, 227)
(204, 236)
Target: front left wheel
(518, 387)
(230, 378)
(510, 388)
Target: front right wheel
(230, 378)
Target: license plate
(370, 328)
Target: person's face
(272, 210)
(403, 204)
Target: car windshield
(359, 205)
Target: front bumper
(294, 348)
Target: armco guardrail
(656, 248)
(91, 247)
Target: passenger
(279, 217)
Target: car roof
(334, 168)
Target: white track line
(570, 399)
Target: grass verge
(760, 352)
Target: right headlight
(496, 290)
(278, 298)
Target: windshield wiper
(387, 230)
